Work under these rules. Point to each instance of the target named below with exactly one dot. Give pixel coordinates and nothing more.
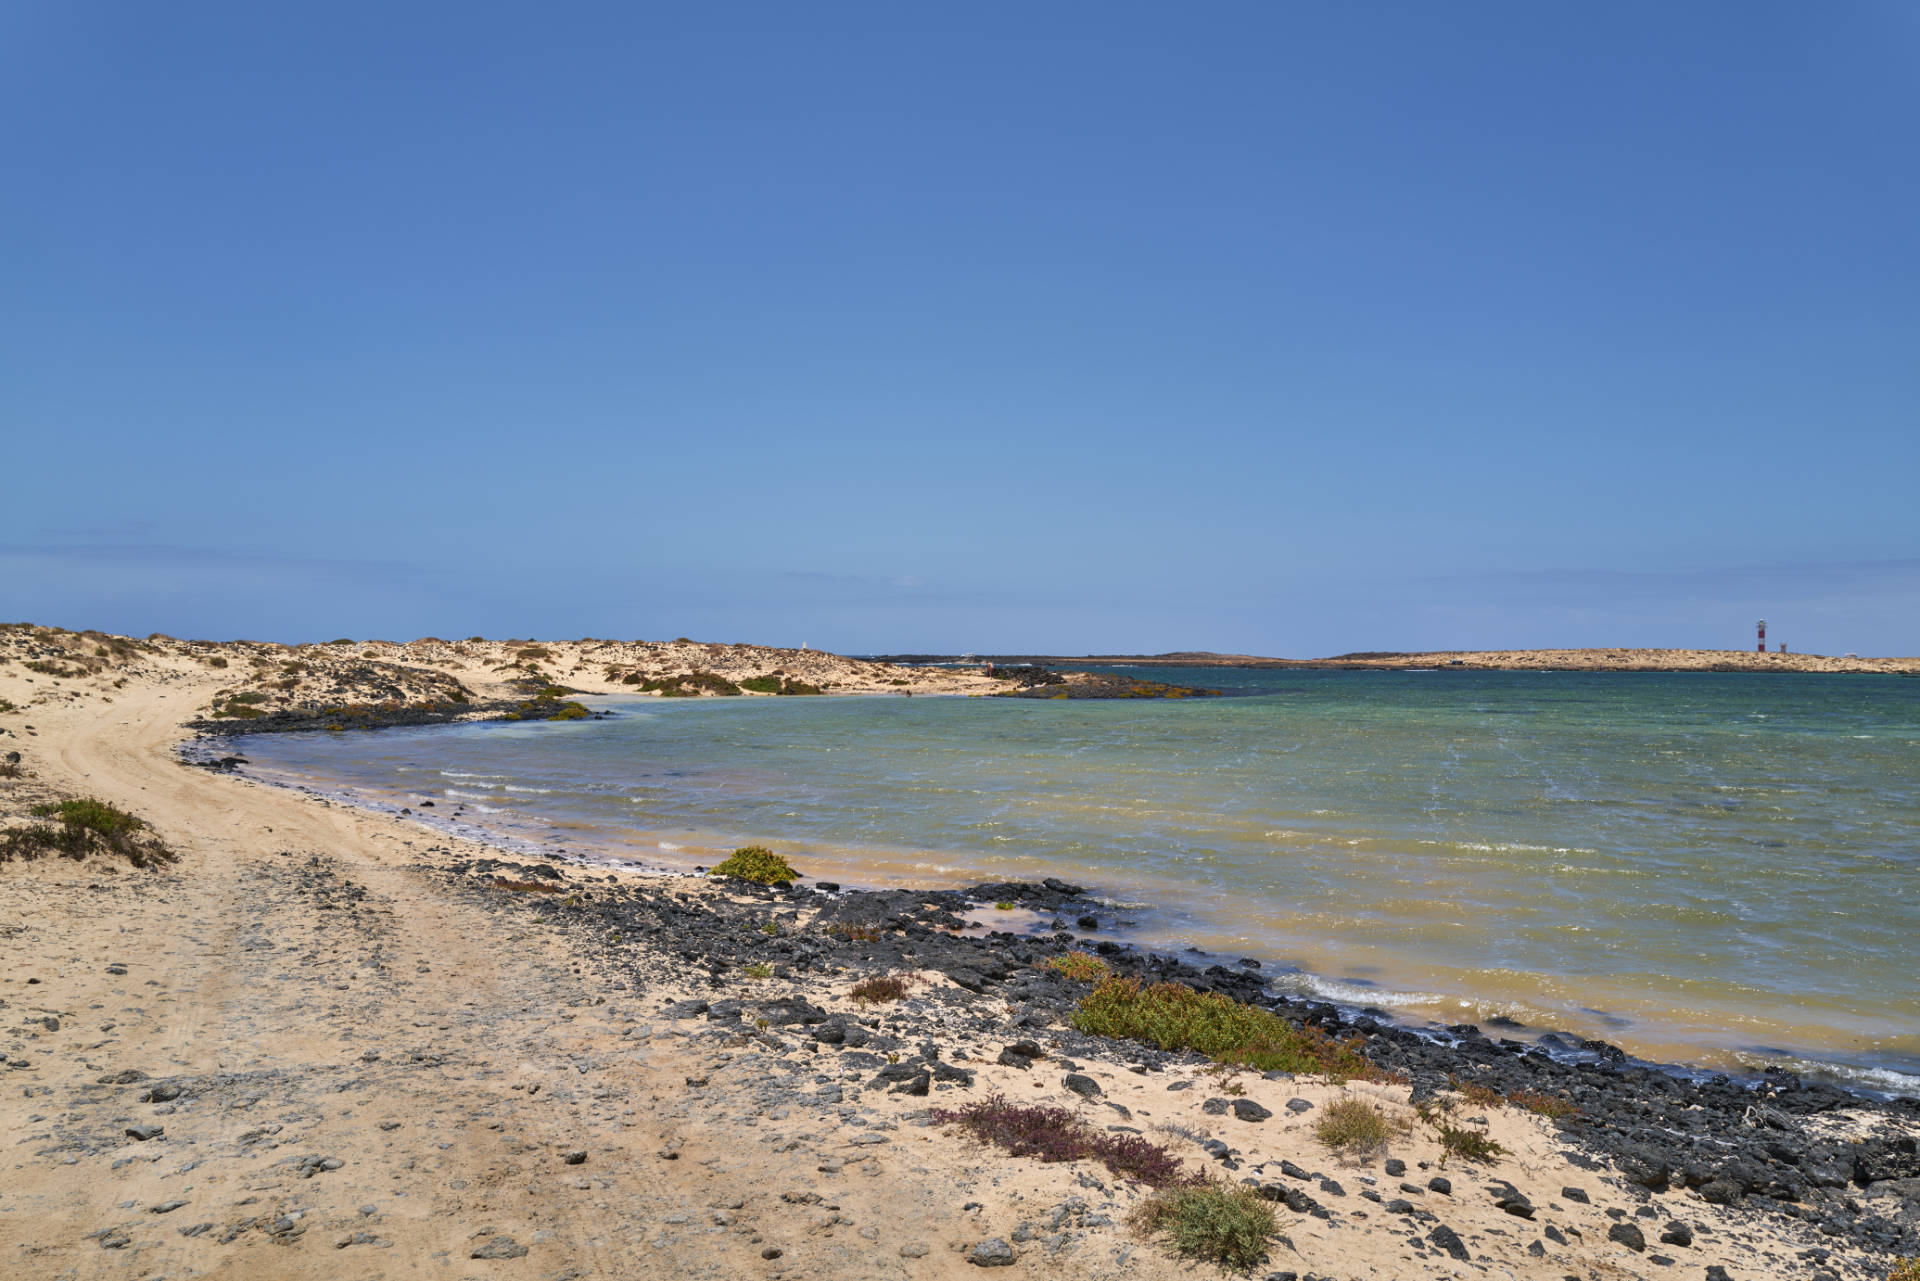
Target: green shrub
(86, 827)
(689, 685)
(1353, 1125)
(758, 864)
(1081, 967)
(1905, 1270)
(758, 970)
(1220, 1223)
(1173, 1016)
(761, 684)
(1470, 1145)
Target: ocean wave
(1887, 1080)
(1352, 993)
(533, 791)
(470, 796)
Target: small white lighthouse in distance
(1763, 636)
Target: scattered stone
(142, 1133)
(1020, 1054)
(1677, 1233)
(1248, 1110)
(1449, 1240)
(573, 1158)
(991, 1253)
(1440, 1183)
(1084, 1086)
(1511, 1199)
(1629, 1235)
(1299, 1105)
(500, 1247)
(1576, 1194)
(914, 1250)
(166, 1207)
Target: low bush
(758, 970)
(87, 827)
(689, 685)
(1551, 1106)
(1055, 1134)
(526, 887)
(1353, 1126)
(758, 864)
(1175, 1017)
(854, 933)
(1469, 1144)
(882, 987)
(1220, 1223)
(1081, 967)
(761, 684)
(1477, 1094)
(1905, 1270)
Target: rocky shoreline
(1763, 1147)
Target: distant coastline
(1564, 660)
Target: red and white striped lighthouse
(1763, 636)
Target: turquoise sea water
(1719, 869)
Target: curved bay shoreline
(341, 1030)
(1753, 1141)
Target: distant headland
(1562, 660)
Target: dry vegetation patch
(1056, 1134)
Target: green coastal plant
(1469, 1145)
(86, 826)
(1905, 1270)
(758, 864)
(1225, 1224)
(758, 970)
(1173, 1016)
(1354, 1126)
(1081, 967)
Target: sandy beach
(330, 1043)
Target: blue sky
(1277, 328)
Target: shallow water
(1718, 869)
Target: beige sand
(381, 1080)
